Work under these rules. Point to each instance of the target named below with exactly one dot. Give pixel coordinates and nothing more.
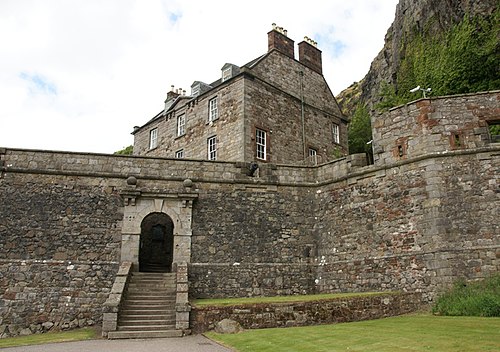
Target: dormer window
(226, 74)
(198, 88)
(229, 71)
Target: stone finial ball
(131, 181)
(187, 183)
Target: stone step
(147, 317)
(134, 310)
(147, 327)
(146, 279)
(141, 273)
(155, 286)
(151, 278)
(147, 334)
(143, 296)
(148, 286)
(146, 307)
(151, 302)
(137, 322)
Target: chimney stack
(310, 55)
(171, 97)
(277, 39)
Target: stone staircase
(148, 308)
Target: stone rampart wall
(418, 226)
(256, 241)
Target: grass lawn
(36, 339)
(420, 332)
(280, 299)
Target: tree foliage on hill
(464, 59)
(125, 151)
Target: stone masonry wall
(252, 241)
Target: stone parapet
(182, 306)
(112, 305)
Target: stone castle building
(274, 109)
(77, 229)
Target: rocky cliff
(424, 35)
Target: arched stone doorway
(156, 246)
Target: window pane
(181, 125)
(335, 132)
(260, 139)
(213, 112)
(313, 156)
(212, 148)
(153, 138)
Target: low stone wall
(327, 311)
(38, 296)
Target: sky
(78, 75)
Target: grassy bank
(406, 333)
(480, 298)
(50, 337)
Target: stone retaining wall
(327, 311)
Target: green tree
(360, 132)
(125, 151)
(388, 97)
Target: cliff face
(413, 19)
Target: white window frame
(336, 133)
(153, 138)
(213, 111)
(313, 156)
(179, 154)
(226, 74)
(181, 125)
(212, 148)
(195, 90)
(260, 144)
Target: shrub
(481, 298)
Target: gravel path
(192, 343)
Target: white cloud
(78, 75)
